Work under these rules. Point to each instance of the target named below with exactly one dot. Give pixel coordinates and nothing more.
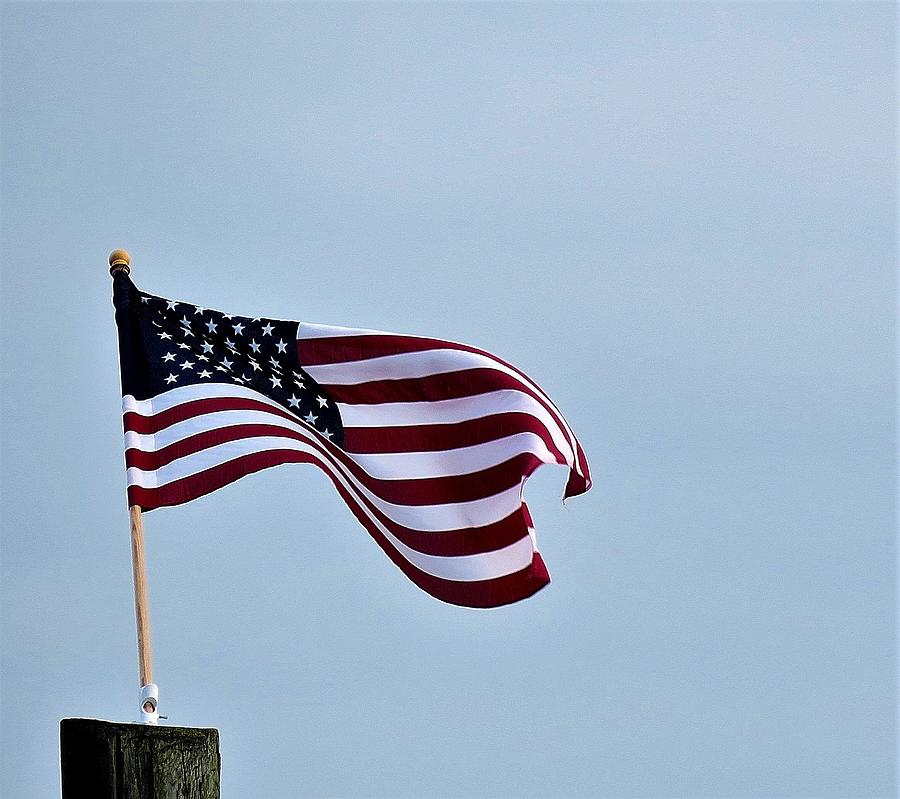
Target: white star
(207, 347)
(185, 322)
(169, 356)
(238, 328)
(187, 365)
(242, 378)
(205, 373)
(256, 319)
(275, 381)
(230, 344)
(255, 365)
(145, 298)
(200, 310)
(171, 378)
(155, 324)
(275, 364)
(254, 346)
(267, 329)
(226, 363)
(170, 304)
(328, 434)
(202, 358)
(221, 368)
(310, 417)
(294, 402)
(282, 346)
(163, 335)
(187, 331)
(227, 316)
(323, 403)
(184, 346)
(211, 325)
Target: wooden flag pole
(120, 261)
(141, 606)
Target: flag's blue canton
(179, 344)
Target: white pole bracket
(150, 704)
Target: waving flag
(428, 442)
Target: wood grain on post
(106, 760)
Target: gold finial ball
(119, 260)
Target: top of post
(119, 261)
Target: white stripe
(405, 365)
(204, 422)
(427, 518)
(469, 568)
(307, 330)
(178, 396)
(484, 566)
(446, 463)
(310, 330)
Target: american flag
(429, 442)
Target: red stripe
(412, 491)
(482, 593)
(343, 349)
(433, 388)
(436, 437)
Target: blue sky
(678, 218)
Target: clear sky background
(679, 219)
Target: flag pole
(120, 261)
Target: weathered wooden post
(107, 760)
